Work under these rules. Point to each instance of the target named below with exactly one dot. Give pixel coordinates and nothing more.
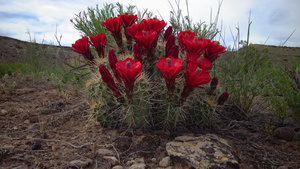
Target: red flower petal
(99, 42)
(170, 67)
(128, 20)
(194, 76)
(113, 25)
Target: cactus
(142, 87)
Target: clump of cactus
(151, 81)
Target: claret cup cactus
(151, 81)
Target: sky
(273, 21)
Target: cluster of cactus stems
(151, 81)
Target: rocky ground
(41, 127)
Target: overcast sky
(273, 21)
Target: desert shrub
(241, 74)
(153, 81)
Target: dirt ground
(43, 128)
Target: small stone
(80, 163)
(139, 160)
(131, 162)
(138, 166)
(117, 167)
(26, 122)
(3, 112)
(153, 159)
(284, 133)
(15, 128)
(111, 160)
(165, 162)
(105, 152)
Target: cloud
(273, 19)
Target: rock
(165, 162)
(105, 152)
(138, 166)
(284, 133)
(80, 163)
(3, 112)
(283, 167)
(202, 152)
(111, 160)
(117, 167)
(26, 122)
(140, 160)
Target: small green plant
(6, 85)
(282, 91)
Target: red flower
(169, 45)
(129, 70)
(113, 25)
(168, 33)
(174, 51)
(199, 60)
(99, 42)
(185, 35)
(137, 52)
(132, 30)
(195, 76)
(170, 67)
(223, 98)
(82, 46)
(112, 59)
(128, 20)
(213, 50)
(146, 38)
(214, 83)
(154, 25)
(108, 79)
(195, 45)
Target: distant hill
(14, 50)
(282, 55)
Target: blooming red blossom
(195, 45)
(137, 52)
(170, 67)
(168, 33)
(154, 25)
(132, 30)
(108, 79)
(114, 26)
(147, 39)
(129, 70)
(223, 98)
(213, 50)
(112, 59)
(82, 46)
(199, 60)
(128, 20)
(99, 42)
(194, 77)
(185, 35)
